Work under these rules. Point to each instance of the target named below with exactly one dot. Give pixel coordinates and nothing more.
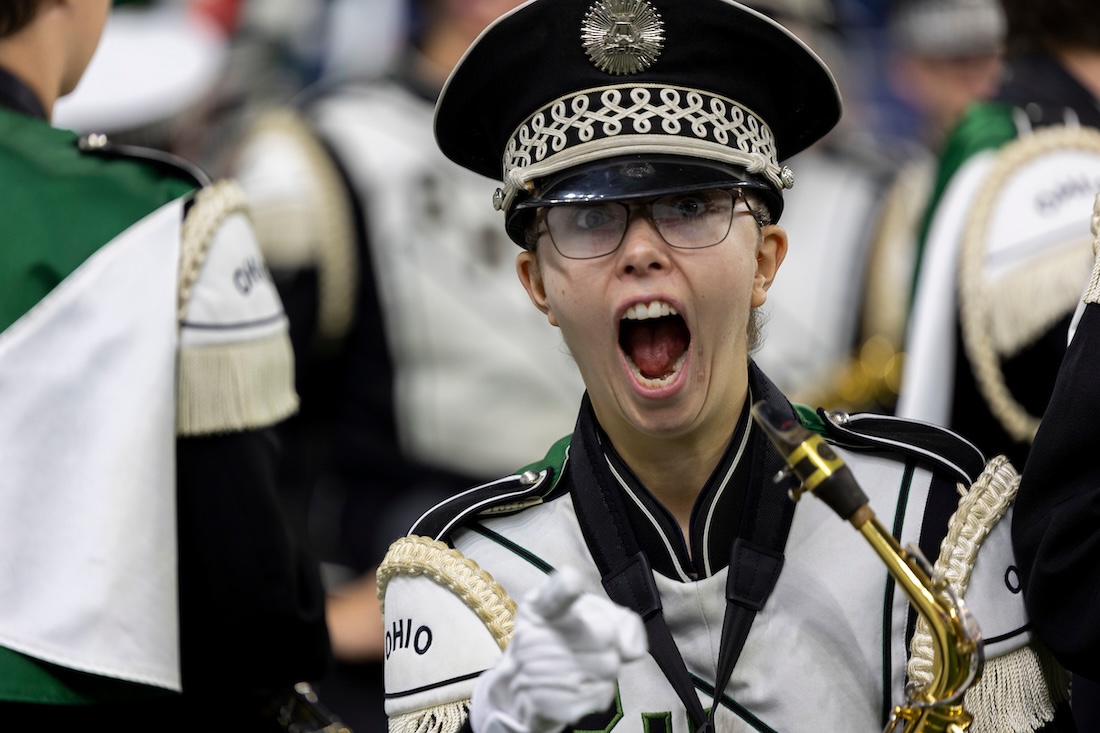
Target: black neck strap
(755, 562)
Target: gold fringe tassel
(235, 387)
(1022, 306)
(447, 718)
(1018, 692)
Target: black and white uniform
(828, 650)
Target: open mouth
(655, 340)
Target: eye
(688, 206)
(588, 218)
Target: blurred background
(184, 72)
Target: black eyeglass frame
(735, 192)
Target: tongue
(656, 345)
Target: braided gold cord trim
(1092, 293)
(980, 508)
(974, 308)
(1018, 691)
(417, 555)
(335, 254)
(213, 204)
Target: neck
(34, 57)
(675, 469)
(1084, 65)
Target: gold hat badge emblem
(622, 36)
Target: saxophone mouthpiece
(811, 460)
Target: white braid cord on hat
(1025, 305)
(416, 555)
(665, 120)
(1018, 691)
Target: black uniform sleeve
(1056, 521)
(251, 599)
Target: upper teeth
(655, 309)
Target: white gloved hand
(566, 652)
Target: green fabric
(23, 679)
(985, 126)
(809, 418)
(61, 205)
(555, 458)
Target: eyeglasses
(685, 220)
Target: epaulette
(531, 485)
(502, 496)
(99, 144)
(1020, 275)
(928, 443)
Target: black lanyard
(756, 558)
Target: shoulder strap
(503, 496)
(99, 144)
(626, 574)
(927, 443)
(533, 484)
(755, 562)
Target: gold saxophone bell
(958, 648)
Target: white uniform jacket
(828, 650)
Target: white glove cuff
(486, 718)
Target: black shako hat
(567, 101)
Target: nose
(643, 248)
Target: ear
(769, 256)
(530, 274)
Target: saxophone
(958, 650)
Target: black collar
(17, 96)
(716, 516)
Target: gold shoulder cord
(983, 341)
(1092, 293)
(212, 205)
(1019, 689)
(416, 555)
(333, 248)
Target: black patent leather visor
(632, 177)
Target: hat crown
(556, 84)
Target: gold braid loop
(980, 508)
(332, 244)
(1092, 293)
(213, 204)
(417, 555)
